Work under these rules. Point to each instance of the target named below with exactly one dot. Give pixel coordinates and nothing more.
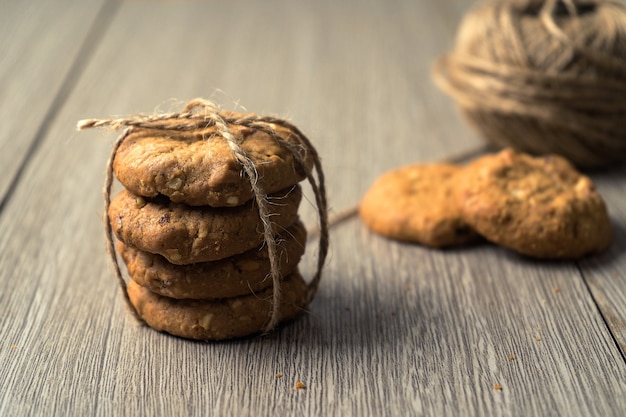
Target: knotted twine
(201, 114)
(543, 76)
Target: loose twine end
(200, 114)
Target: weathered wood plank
(437, 328)
(395, 330)
(606, 274)
(40, 53)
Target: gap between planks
(89, 45)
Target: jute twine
(544, 76)
(200, 114)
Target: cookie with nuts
(231, 277)
(198, 167)
(217, 319)
(417, 203)
(538, 206)
(185, 234)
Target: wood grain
(396, 329)
(42, 48)
(605, 274)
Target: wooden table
(395, 329)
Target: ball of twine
(543, 76)
(199, 114)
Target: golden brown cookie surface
(417, 203)
(538, 206)
(186, 235)
(217, 319)
(230, 277)
(199, 168)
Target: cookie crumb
(497, 387)
(511, 357)
(278, 375)
(537, 338)
(555, 290)
(300, 385)
(407, 288)
(14, 346)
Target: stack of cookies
(537, 206)
(190, 233)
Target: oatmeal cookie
(538, 206)
(417, 203)
(185, 235)
(198, 168)
(231, 277)
(217, 319)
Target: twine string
(200, 114)
(108, 229)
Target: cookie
(231, 277)
(417, 203)
(217, 319)
(185, 234)
(537, 206)
(198, 167)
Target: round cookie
(217, 319)
(186, 235)
(537, 206)
(230, 277)
(198, 168)
(417, 203)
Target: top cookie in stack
(192, 168)
(188, 214)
